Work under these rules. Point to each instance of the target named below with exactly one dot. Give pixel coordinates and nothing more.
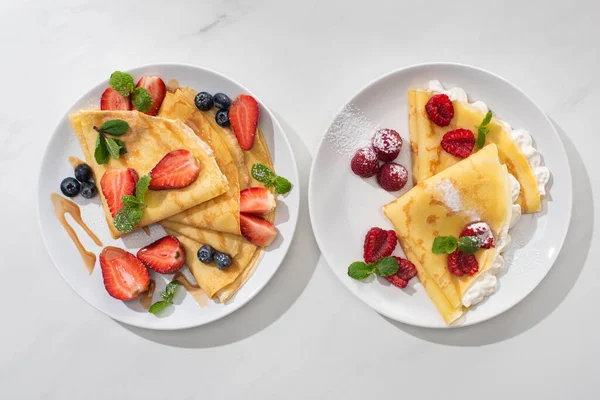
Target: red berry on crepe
(257, 200)
(440, 109)
(116, 183)
(243, 116)
(176, 170)
(157, 89)
(459, 142)
(257, 230)
(460, 263)
(113, 100)
(164, 256)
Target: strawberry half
(378, 244)
(243, 116)
(459, 142)
(257, 230)
(257, 200)
(113, 100)
(115, 184)
(157, 89)
(164, 256)
(176, 170)
(125, 277)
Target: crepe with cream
(476, 189)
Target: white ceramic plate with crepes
(343, 206)
(186, 312)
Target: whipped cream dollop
(520, 137)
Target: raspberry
(364, 163)
(482, 232)
(378, 244)
(460, 263)
(397, 281)
(440, 109)
(406, 269)
(387, 144)
(459, 142)
(392, 177)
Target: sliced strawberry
(460, 263)
(176, 170)
(113, 100)
(482, 232)
(115, 184)
(378, 244)
(257, 230)
(243, 116)
(157, 89)
(257, 200)
(459, 142)
(164, 256)
(125, 277)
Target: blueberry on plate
(222, 118)
(223, 260)
(83, 172)
(204, 101)
(222, 101)
(88, 190)
(206, 254)
(70, 187)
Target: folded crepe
(148, 141)
(477, 189)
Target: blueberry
(222, 118)
(204, 101)
(206, 254)
(88, 190)
(222, 102)
(70, 187)
(223, 260)
(83, 172)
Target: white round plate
(343, 207)
(186, 313)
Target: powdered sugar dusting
(350, 131)
(398, 172)
(387, 142)
(452, 200)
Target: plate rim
(311, 202)
(294, 214)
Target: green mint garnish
(122, 82)
(263, 174)
(107, 147)
(167, 297)
(482, 129)
(159, 305)
(101, 153)
(385, 267)
(468, 244)
(133, 209)
(141, 99)
(444, 245)
(114, 127)
(115, 147)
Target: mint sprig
(133, 209)
(141, 99)
(122, 82)
(167, 298)
(449, 244)
(114, 127)
(468, 244)
(263, 174)
(107, 147)
(385, 267)
(482, 129)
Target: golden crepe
(476, 189)
(148, 141)
(428, 157)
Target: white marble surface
(304, 336)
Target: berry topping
(157, 89)
(88, 190)
(70, 187)
(206, 254)
(460, 263)
(482, 232)
(113, 100)
(392, 176)
(257, 200)
(440, 109)
(125, 277)
(406, 269)
(244, 119)
(204, 101)
(378, 244)
(397, 281)
(459, 142)
(257, 230)
(387, 144)
(164, 256)
(115, 184)
(176, 170)
(222, 118)
(364, 163)
(223, 260)
(83, 172)
(222, 101)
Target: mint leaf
(487, 118)
(122, 220)
(169, 292)
(468, 244)
(114, 127)
(386, 266)
(480, 139)
(122, 148)
(359, 270)
(444, 245)
(132, 201)
(127, 217)
(101, 153)
(482, 130)
(113, 148)
(142, 187)
(122, 82)
(159, 305)
(263, 174)
(141, 99)
(282, 185)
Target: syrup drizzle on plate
(192, 288)
(146, 298)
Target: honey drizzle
(192, 288)
(146, 298)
